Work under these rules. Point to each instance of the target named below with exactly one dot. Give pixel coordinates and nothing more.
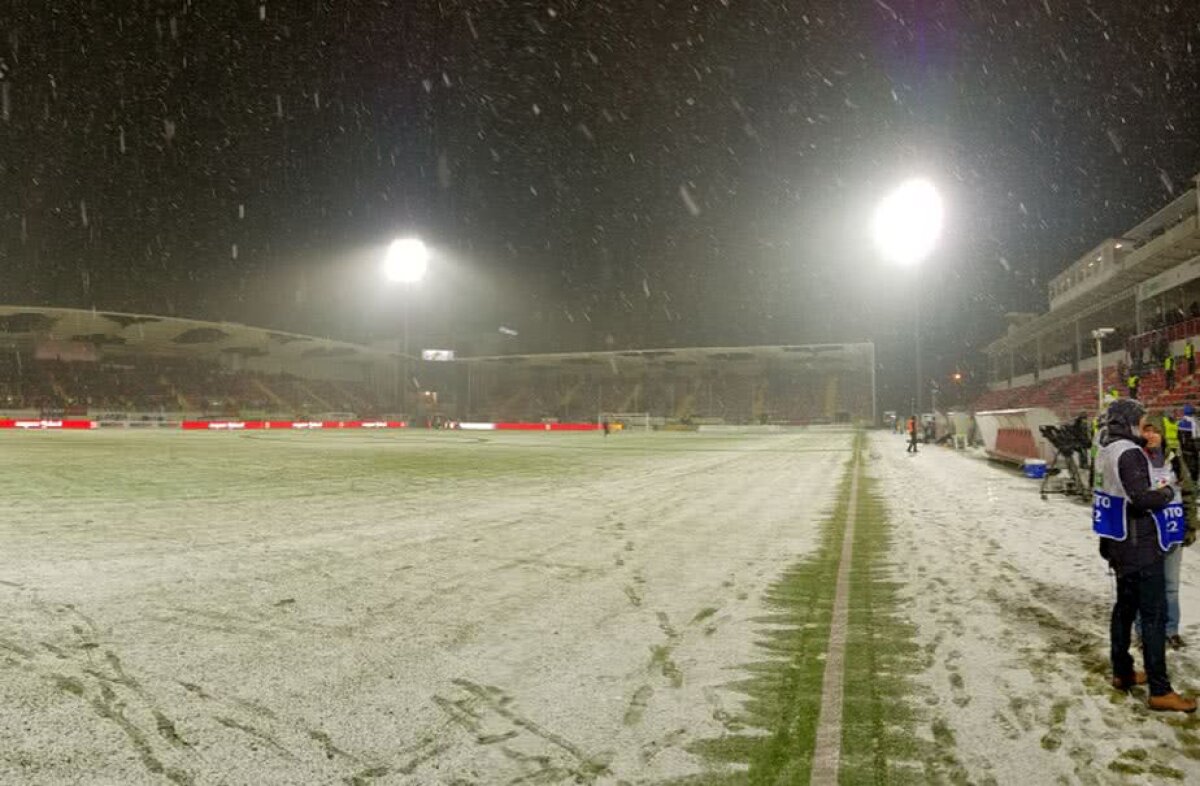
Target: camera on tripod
(1072, 442)
(1070, 438)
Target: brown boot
(1126, 683)
(1172, 702)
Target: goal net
(620, 421)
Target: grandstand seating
(168, 385)
(154, 384)
(1075, 393)
(684, 394)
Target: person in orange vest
(912, 435)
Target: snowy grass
(650, 608)
(136, 464)
(1010, 603)
(772, 740)
(388, 608)
(879, 742)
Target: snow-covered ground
(1012, 602)
(449, 608)
(400, 608)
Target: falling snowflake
(688, 200)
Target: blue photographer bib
(1108, 515)
(1169, 521)
(1109, 502)
(1108, 520)
(1171, 525)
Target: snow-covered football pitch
(454, 608)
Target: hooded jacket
(1140, 549)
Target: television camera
(1072, 442)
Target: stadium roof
(1165, 240)
(820, 357)
(118, 333)
(160, 335)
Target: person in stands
(1189, 354)
(1132, 382)
(1126, 501)
(1169, 370)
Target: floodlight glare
(406, 260)
(908, 222)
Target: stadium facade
(1143, 284)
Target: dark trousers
(1170, 379)
(912, 442)
(1144, 592)
(1133, 391)
(1191, 366)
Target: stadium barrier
(295, 425)
(43, 424)
(530, 426)
(1014, 435)
(138, 424)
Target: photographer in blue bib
(1138, 518)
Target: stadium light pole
(405, 264)
(1099, 334)
(906, 228)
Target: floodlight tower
(1100, 334)
(906, 227)
(405, 263)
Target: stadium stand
(69, 361)
(1143, 288)
(80, 362)
(156, 385)
(743, 385)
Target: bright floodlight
(406, 260)
(908, 222)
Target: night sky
(592, 174)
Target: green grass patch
(879, 742)
(1163, 771)
(782, 689)
(1125, 768)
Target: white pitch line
(827, 755)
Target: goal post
(620, 421)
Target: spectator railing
(1152, 338)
